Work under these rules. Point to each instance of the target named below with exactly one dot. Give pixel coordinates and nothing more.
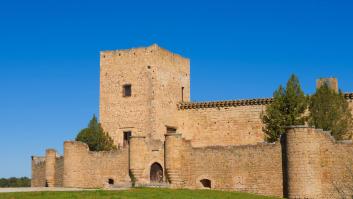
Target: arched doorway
(156, 174)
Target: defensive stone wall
(249, 168)
(38, 171)
(336, 161)
(225, 123)
(87, 169)
(317, 166)
(308, 163)
(47, 171)
(222, 126)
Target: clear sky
(49, 56)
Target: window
(182, 94)
(127, 90)
(171, 130)
(127, 135)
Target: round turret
(302, 162)
(173, 146)
(50, 158)
(137, 148)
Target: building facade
(165, 139)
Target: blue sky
(49, 56)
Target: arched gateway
(156, 174)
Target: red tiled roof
(245, 102)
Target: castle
(165, 139)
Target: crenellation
(36, 160)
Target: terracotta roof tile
(244, 102)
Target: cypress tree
(287, 108)
(329, 110)
(95, 137)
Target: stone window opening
(126, 138)
(127, 90)
(111, 181)
(182, 94)
(206, 183)
(171, 129)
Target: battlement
(38, 160)
(47, 171)
(142, 51)
(131, 50)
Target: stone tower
(331, 82)
(139, 90)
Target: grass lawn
(133, 193)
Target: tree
(95, 137)
(15, 182)
(329, 110)
(287, 108)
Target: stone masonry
(164, 139)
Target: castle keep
(164, 138)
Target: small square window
(127, 135)
(127, 90)
(171, 130)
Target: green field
(133, 193)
